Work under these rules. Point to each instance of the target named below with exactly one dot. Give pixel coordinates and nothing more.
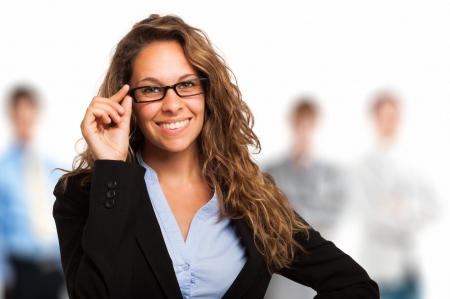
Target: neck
(173, 167)
(302, 155)
(24, 142)
(386, 142)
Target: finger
(96, 115)
(91, 122)
(101, 116)
(120, 94)
(104, 101)
(111, 110)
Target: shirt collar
(151, 176)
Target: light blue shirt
(212, 256)
(17, 238)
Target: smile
(174, 126)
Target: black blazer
(112, 247)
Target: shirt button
(185, 267)
(112, 184)
(110, 193)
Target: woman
(166, 202)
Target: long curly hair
(227, 165)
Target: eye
(151, 89)
(187, 84)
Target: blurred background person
(315, 188)
(392, 204)
(30, 261)
(2, 266)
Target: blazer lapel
(251, 268)
(151, 241)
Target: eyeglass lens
(183, 89)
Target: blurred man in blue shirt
(29, 255)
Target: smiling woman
(166, 202)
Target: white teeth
(173, 126)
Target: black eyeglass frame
(173, 86)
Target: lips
(174, 125)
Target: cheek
(199, 109)
(145, 112)
(144, 115)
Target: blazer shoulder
(74, 189)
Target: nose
(172, 102)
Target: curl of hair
(243, 190)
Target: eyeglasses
(187, 88)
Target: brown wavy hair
(227, 165)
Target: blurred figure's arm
(394, 201)
(428, 207)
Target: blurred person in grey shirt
(391, 204)
(315, 188)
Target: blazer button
(109, 203)
(110, 194)
(112, 184)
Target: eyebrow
(151, 79)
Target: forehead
(23, 101)
(387, 106)
(162, 61)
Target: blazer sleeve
(96, 230)
(329, 271)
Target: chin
(176, 147)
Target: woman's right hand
(108, 142)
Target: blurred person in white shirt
(391, 203)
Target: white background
(339, 51)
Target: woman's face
(173, 123)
